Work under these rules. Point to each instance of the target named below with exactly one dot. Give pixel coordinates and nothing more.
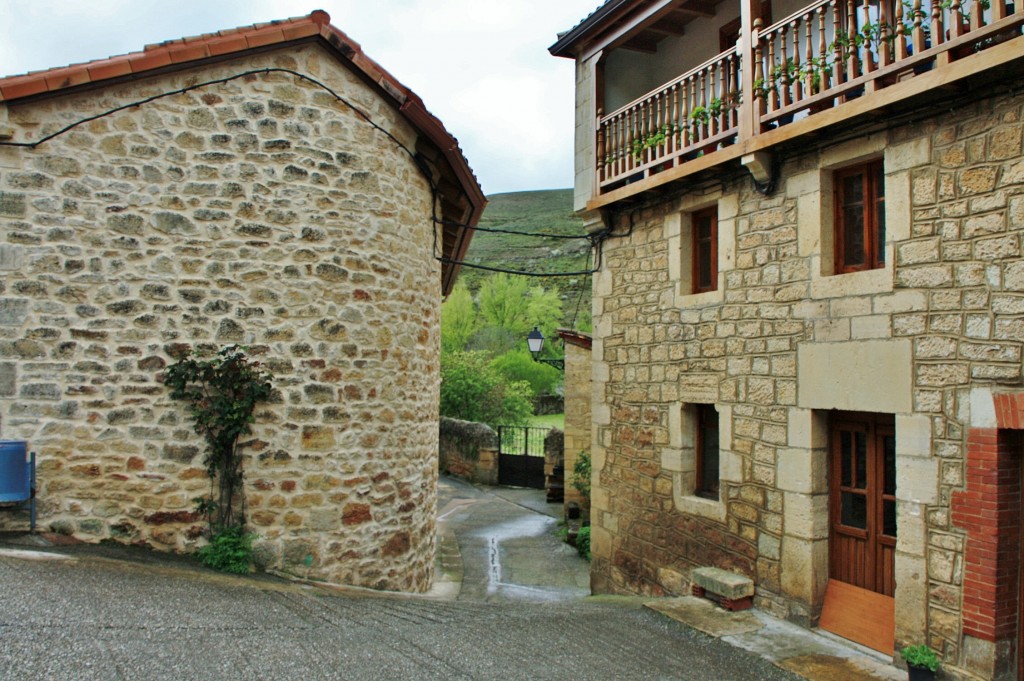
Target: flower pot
(920, 673)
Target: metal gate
(521, 456)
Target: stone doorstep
(729, 590)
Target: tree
(458, 319)
(518, 365)
(472, 390)
(504, 303)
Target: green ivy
(221, 393)
(581, 474)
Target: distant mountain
(547, 211)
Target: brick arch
(989, 510)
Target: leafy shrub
(518, 365)
(583, 542)
(581, 474)
(472, 390)
(921, 656)
(229, 550)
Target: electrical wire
(417, 159)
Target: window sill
(852, 284)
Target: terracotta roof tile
(226, 45)
(23, 86)
(67, 77)
(261, 38)
(109, 68)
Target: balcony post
(749, 118)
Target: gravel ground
(111, 613)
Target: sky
(481, 66)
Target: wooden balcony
(830, 61)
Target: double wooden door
(863, 501)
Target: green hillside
(546, 212)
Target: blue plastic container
(15, 471)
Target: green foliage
(222, 393)
(518, 365)
(229, 550)
(583, 542)
(472, 390)
(547, 212)
(921, 656)
(581, 474)
(458, 319)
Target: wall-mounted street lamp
(535, 341)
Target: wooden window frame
(702, 414)
(873, 199)
(712, 265)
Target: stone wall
(469, 451)
(577, 418)
(781, 343)
(259, 211)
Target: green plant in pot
(922, 662)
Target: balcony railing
(829, 53)
(696, 111)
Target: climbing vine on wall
(221, 393)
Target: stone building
(269, 186)
(809, 315)
(577, 413)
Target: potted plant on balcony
(922, 662)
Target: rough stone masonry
(262, 212)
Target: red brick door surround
(989, 510)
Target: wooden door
(862, 545)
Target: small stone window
(705, 250)
(859, 217)
(706, 451)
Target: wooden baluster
(918, 30)
(824, 82)
(852, 52)
(704, 103)
(808, 20)
(759, 103)
(717, 78)
(867, 57)
(621, 145)
(885, 33)
(769, 75)
(630, 135)
(838, 57)
(938, 33)
(615, 150)
(956, 24)
(601, 165)
(734, 90)
(786, 94)
(798, 92)
(645, 130)
(999, 9)
(901, 34)
(977, 14)
(659, 99)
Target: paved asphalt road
(98, 613)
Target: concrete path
(509, 606)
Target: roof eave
(567, 43)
